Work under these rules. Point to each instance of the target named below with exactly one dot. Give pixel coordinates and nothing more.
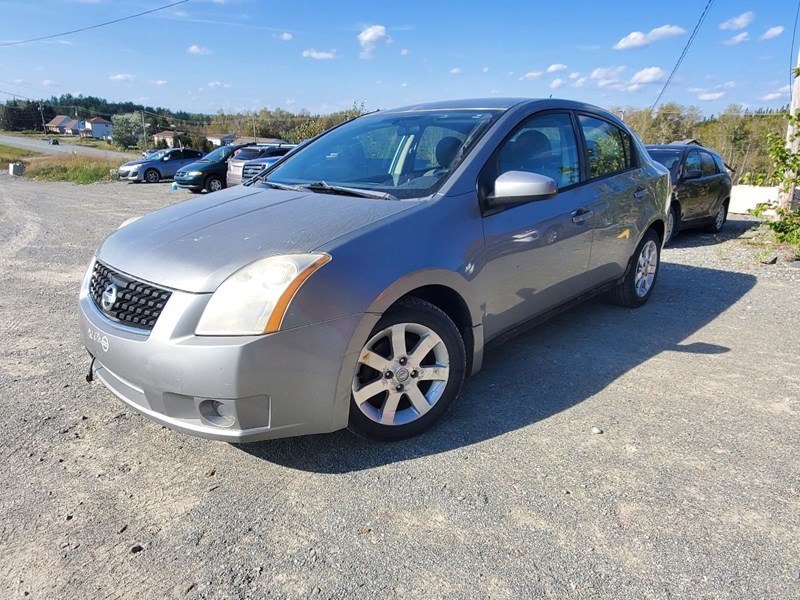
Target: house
(221, 139)
(74, 127)
(166, 136)
(57, 123)
(97, 127)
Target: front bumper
(235, 389)
(189, 183)
(130, 174)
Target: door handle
(581, 215)
(639, 193)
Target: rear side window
(608, 148)
(707, 165)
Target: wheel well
(660, 229)
(452, 304)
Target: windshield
(157, 155)
(217, 155)
(406, 155)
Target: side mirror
(693, 174)
(517, 187)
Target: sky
(242, 55)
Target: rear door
(616, 191)
(715, 184)
(536, 254)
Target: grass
(11, 155)
(77, 169)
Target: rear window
(246, 154)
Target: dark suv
(209, 172)
(701, 187)
(236, 164)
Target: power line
(791, 50)
(55, 35)
(685, 50)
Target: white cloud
(649, 75)
(319, 54)
(781, 93)
(557, 83)
(772, 32)
(404, 52)
(494, 92)
(182, 14)
(49, 82)
(740, 22)
(711, 96)
(555, 68)
(455, 71)
(195, 49)
(574, 75)
(284, 37)
(404, 84)
(737, 39)
(530, 75)
(371, 37)
(607, 72)
(639, 39)
(485, 69)
(214, 84)
(121, 77)
(580, 82)
(159, 81)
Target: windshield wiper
(325, 188)
(277, 186)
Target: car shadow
(542, 372)
(737, 226)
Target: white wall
(744, 197)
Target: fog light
(217, 413)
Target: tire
(720, 219)
(397, 394)
(673, 223)
(214, 184)
(152, 176)
(640, 279)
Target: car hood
(195, 245)
(143, 161)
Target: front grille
(252, 170)
(137, 304)
(180, 173)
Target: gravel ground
(692, 490)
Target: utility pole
(787, 198)
(41, 114)
(254, 127)
(144, 133)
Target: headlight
(131, 167)
(194, 173)
(254, 300)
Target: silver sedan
(357, 283)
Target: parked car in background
(358, 281)
(254, 167)
(163, 164)
(701, 187)
(237, 162)
(208, 173)
(52, 141)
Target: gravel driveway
(692, 490)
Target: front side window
(692, 162)
(608, 149)
(407, 155)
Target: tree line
(739, 135)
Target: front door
(536, 254)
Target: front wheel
(409, 372)
(152, 176)
(214, 184)
(673, 223)
(640, 280)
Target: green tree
(126, 131)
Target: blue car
(163, 164)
